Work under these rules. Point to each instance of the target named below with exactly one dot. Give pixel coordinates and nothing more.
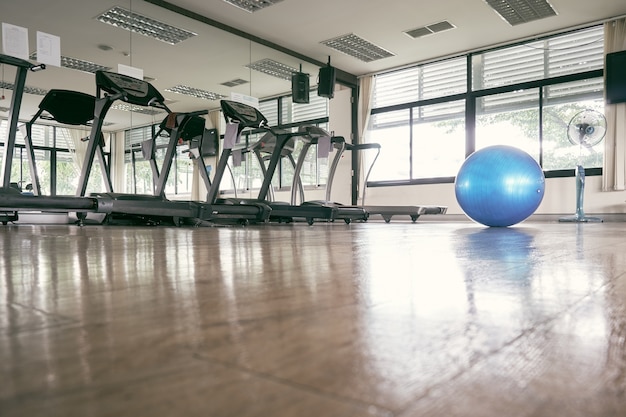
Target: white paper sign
(130, 71)
(230, 136)
(242, 98)
(48, 49)
(14, 41)
(323, 147)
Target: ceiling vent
(235, 82)
(195, 92)
(516, 12)
(137, 23)
(430, 29)
(252, 6)
(357, 47)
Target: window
(57, 168)
(522, 95)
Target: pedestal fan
(586, 129)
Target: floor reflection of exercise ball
(499, 186)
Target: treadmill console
(135, 91)
(246, 115)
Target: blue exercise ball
(499, 186)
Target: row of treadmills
(76, 108)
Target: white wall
(559, 197)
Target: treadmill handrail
(22, 63)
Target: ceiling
(216, 56)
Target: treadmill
(200, 141)
(312, 135)
(181, 128)
(386, 212)
(112, 87)
(239, 117)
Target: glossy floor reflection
(373, 319)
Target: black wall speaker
(300, 87)
(326, 82)
(615, 77)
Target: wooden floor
(435, 318)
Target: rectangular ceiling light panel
(273, 68)
(357, 47)
(134, 22)
(150, 111)
(77, 64)
(195, 92)
(252, 6)
(28, 90)
(516, 12)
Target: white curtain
(77, 146)
(366, 90)
(614, 167)
(118, 177)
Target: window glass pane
(444, 78)
(140, 181)
(316, 108)
(248, 173)
(67, 174)
(287, 164)
(269, 109)
(576, 52)
(509, 119)
(96, 182)
(508, 66)
(20, 173)
(397, 88)
(314, 171)
(184, 174)
(392, 131)
(172, 176)
(423, 82)
(438, 140)
(42, 159)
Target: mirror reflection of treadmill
(313, 135)
(240, 117)
(153, 208)
(387, 211)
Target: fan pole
(580, 196)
